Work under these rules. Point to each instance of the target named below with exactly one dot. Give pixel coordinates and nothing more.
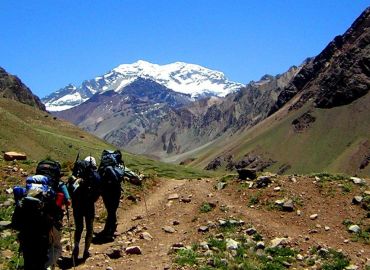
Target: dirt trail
(230, 202)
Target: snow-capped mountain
(195, 80)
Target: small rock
(354, 228)
(276, 242)
(115, 253)
(174, 196)
(204, 245)
(175, 222)
(168, 229)
(9, 191)
(221, 185)
(137, 217)
(109, 268)
(133, 250)
(222, 222)
(299, 257)
(186, 200)
(314, 216)
(260, 245)
(323, 252)
(263, 181)
(288, 206)
(358, 181)
(367, 193)
(351, 267)
(299, 212)
(327, 228)
(277, 188)
(251, 231)
(293, 179)
(317, 178)
(203, 229)
(346, 241)
(279, 202)
(231, 244)
(146, 236)
(178, 246)
(357, 199)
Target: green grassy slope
(40, 135)
(332, 143)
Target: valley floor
(331, 201)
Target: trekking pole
(146, 207)
(70, 237)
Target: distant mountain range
(311, 118)
(193, 80)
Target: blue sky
(49, 44)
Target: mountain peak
(190, 79)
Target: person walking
(85, 189)
(38, 216)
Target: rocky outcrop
(303, 122)
(339, 75)
(13, 88)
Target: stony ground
(306, 213)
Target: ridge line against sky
(49, 44)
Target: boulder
(245, 173)
(10, 156)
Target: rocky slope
(194, 80)
(339, 75)
(321, 119)
(12, 87)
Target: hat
(91, 160)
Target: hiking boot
(75, 253)
(86, 255)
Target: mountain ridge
(181, 77)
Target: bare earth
(328, 200)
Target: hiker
(84, 187)
(38, 216)
(111, 171)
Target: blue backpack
(34, 202)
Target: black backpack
(50, 168)
(111, 167)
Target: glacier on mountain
(191, 79)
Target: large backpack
(111, 167)
(86, 180)
(35, 204)
(50, 168)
